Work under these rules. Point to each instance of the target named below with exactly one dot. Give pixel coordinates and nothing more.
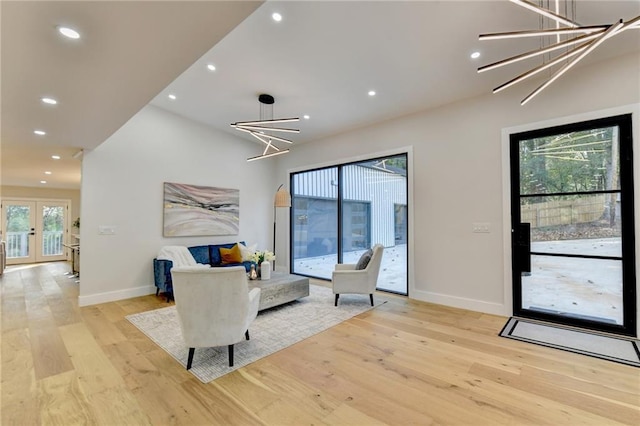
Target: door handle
(523, 247)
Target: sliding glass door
(339, 212)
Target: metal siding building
(384, 193)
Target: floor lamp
(282, 199)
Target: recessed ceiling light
(69, 32)
(172, 97)
(475, 55)
(49, 101)
(40, 132)
(276, 17)
(306, 117)
(55, 157)
(43, 181)
(372, 92)
(47, 172)
(211, 67)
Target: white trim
(507, 298)
(355, 159)
(460, 302)
(633, 109)
(112, 296)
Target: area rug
(274, 329)
(625, 351)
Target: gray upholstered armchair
(359, 278)
(215, 306)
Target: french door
(34, 231)
(573, 225)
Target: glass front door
(572, 224)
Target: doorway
(573, 254)
(34, 230)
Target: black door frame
(340, 200)
(520, 247)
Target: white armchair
(347, 278)
(215, 306)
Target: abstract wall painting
(192, 210)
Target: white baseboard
(461, 302)
(112, 296)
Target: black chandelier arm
(591, 37)
(266, 129)
(538, 52)
(611, 31)
(276, 138)
(547, 32)
(274, 121)
(542, 67)
(267, 143)
(260, 157)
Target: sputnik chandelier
(586, 40)
(263, 128)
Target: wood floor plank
(14, 312)
(583, 386)
(165, 402)
(579, 400)
(221, 407)
(50, 356)
(63, 311)
(346, 415)
(267, 381)
(61, 402)
(105, 331)
(117, 406)
(18, 376)
(94, 369)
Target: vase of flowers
(260, 256)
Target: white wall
(456, 160)
(122, 186)
(458, 176)
(47, 194)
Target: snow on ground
(393, 270)
(585, 287)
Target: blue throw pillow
(201, 254)
(364, 259)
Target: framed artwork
(192, 210)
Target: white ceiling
(321, 60)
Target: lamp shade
(283, 198)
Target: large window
(339, 212)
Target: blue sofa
(207, 255)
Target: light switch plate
(106, 230)
(482, 227)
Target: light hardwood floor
(404, 362)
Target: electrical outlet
(482, 227)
